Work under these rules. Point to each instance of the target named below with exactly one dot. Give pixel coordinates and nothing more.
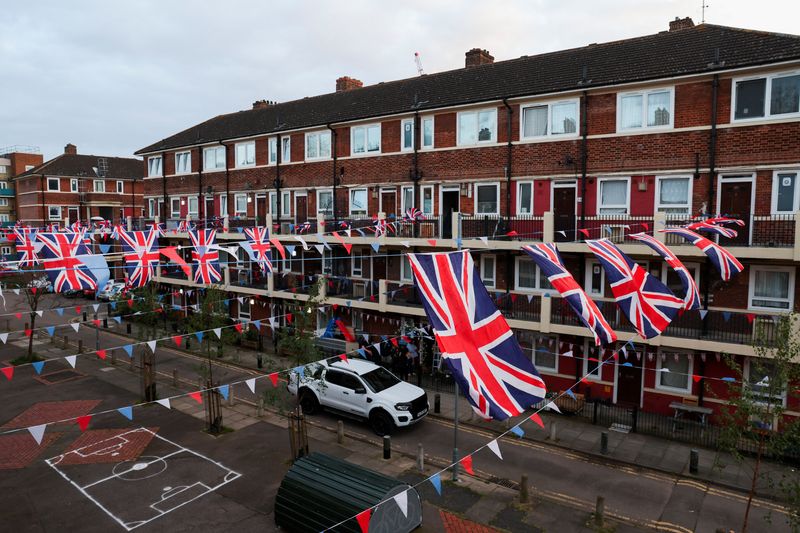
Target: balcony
(493, 227)
(7, 192)
(763, 231)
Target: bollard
(523, 488)
(604, 442)
(66, 342)
(260, 408)
(599, 511)
(553, 431)
(437, 403)
(27, 325)
(387, 447)
(340, 432)
(174, 377)
(420, 458)
(128, 328)
(80, 346)
(84, 316)
(105, 323)
(694, 459)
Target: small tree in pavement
(35, 288)
(298, 339)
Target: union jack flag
(160, 228)
(549, 260)
(258, 247)
(61, 257)
(26, 250)
(205, 256)
(383, 227)
(141, 255)
(75, 226)
(707, 226)
(414, 214)
(304, 227)
(725, 220)
(692, 298)
(723, 260)
(648, 303)
(185, 226)
(475, 340)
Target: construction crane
(418, 61)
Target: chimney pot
(71, 149)
(346, 83)
(476, 57)
(261, 104)
(681, 23)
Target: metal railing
(617, 227)
(402, 293)
(768, 231)
(522, 227)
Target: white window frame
(172, 212)
(350, 193)
(73, 185)
(599, 192)
(120, 187)
(245, 145)
(496, 185)
(403, 123)
(422, 144)
(155, 166)
(357, 259)
(316, 137)
(50, 212)
(549, 104)
(320, 192)
(286, 149)
(746, 381)
(687, 390)
(665, 269)
(152, 207)
(751, 288)
(597, 373)
(366, 128)
(58, 185)
(186, 156)
(406, 274)
(489, 281)
(660, 206)
(645, 93)
(216, 150)
(476, 112)
(246, 314)
(286, 203)
(519, 197)
(767, 97)
(192, 212)
(223, 205)
(272, 151)
(529, 290)
(236, 211)
(403, 206)
(98, 185)
(3, 202)
(591, 290)
(5, 250)
(796, 201)
(422, 200)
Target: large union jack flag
(723, 260)
(691, 300)
(26, 247)
(725, 221)
(62, 256)
(258, 247)
(140, 249)
(708, 227)
(549, 260)
(205, 256)
(648, 303)
(474, 338)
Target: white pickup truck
(360, 389)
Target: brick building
(601, 140)
(78, 187)
(14, 160)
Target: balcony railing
(617, 227)
(767, 231)
(248, 276)
(9, 191)
(402, 293)
(524, 227)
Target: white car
(360, 389)
(113, 288)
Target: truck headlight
(403, 406)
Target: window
(54, 212)
(4, 217)
(673, 281)
(99, 186)
(3, 202)
(487, 198)
(525, 198)
(154, 166)
(214, 158)
(120, 187)
(327, 262)
(591, 363)
(318, 145)
(595, 278)
(762, 378)
(53, 184)
(407, 134)
(286, 200)
(3, 169)
(427, 200)
(286, 149)
(240, 205)
(358, 201)
(771, 288)
(613, 195)
(3, 184)
(223, 205)
(183, 162)
(246, 154)
(6, 250)
(151, 207)
(784, 192)
(674, 195)
(357, 269)
(539, 349)
(477, 127)
(193, 206)
(325, 202)
(543, 120)
(244, 308)
(73, 185)
(529, 277)
(405, 269)
(29, 167)
(773, 96)
(272, 149)
(427, 132)
(645, 109)
(488, 270)
(175, 207)
(674, 372)
(365, 139)
(406, 198)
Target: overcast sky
(112, 77)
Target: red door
(301, 209)
(735, 200)
(389, 203)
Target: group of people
(399, 359)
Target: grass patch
(224, 431)
(23, 360)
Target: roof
(83, 166)
(666, 54)
(359, 366)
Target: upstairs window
(529, 277)
(272, 149)
(214, 158)
(175, 207)
(325, 202)
(53, 184)
(784, 192)
(365, 139)
(673, 195)
(154, 166)
(552, 119)
(645, 109)
(613, 196)
(773, 96)
(477, 127)
(99, 186)
(286, 149)
(525, 197)
(487, 198)
(358, 201)
(73, 185)
(246, 154)
(54, 212)
(318, 145)
(427, 132)
(407, 134)
(120, 187)
(772, 288)
(183, 162)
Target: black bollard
(84, 316)
(105, 323)
(128, 328)
(604, 442)
(387, 447)
(694, 459)
(437, 403)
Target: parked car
(360, 389)
(111, 291)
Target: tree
(145, 303)
(298, 340)
(756, 414)
(35, 288)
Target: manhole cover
(59, 377)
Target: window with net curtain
(785, 97)
(673, 195)
(358, 201)
(771, 289)
(487, 199)
(678, 371)
(613, 197)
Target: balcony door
(208, 212)
(389, 202)
(300, 208)
(564, 200)
(735, 199)
(261, 211)
(449, 202)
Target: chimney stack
(71, 149)
(346, 83)
(261, 104)
(681, 24)
(476, 57)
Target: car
(113, 289)
(359, 389)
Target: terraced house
(597, 141)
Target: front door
(735, 200)
(106, 212)
(564, 213)
(450, 200)
(301, 209)
(261, 211)
(389, 203)
(629, 385)
(73, 215)
(208, 214)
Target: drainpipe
(509, 162)
(164, 186)
(227, 182)
(584, 154)
(415, 173)
(133, 198)
(201, 199)
(44, 207)
(277, 184)
(335, 177)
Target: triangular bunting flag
(402, 502)
(128, 349)
(196, 396)
(38, 366)
(40, 313)
(152, 345)
(407, 244)
(436, 481)
(75, 326)
(274, 379)
(71, 360)
(218, 332)
(251, 384)
(537, 420)
(127, 412)
(553, 407)
(363, 520)
(60, 311)
(165, 402)
(224, 390)
(8, 371)
(199, 335)
(51, 330)
(466, 462)
(703, 313)
(376, 246)
(516, 430)
(83, 421)
(95, 307)
(484, 240)
(37, 432)
(102, 354)
(495, 447)
(4, 337)
(117, 319)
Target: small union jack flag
(205, 256)
(76, 226)
(141, 255)
(414, 214)
(725, 221)
(258, 247)
(185, 226)
(706, 226)
(474, 338)
(303, 227)
(25, 244)
(648, 303)
(549, 260)
(723, 260)
(62, 259)
(160, 228)
(692, 298)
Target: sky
(113, 77)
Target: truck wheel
(382, 424)
(308, 402)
